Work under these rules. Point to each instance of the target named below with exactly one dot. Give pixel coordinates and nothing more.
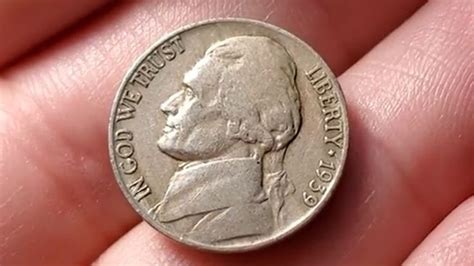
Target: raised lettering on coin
(139, 189)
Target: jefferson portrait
(230, 123)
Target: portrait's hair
(258, 96)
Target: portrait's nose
(172, 103)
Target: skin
(407, 191)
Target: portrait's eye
(188, 92)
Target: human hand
(411, 109)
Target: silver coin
(228, 135)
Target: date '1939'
(318, 184)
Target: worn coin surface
(228, 135)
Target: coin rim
(314, 211)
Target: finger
(56, 104)
(452, 241)
(410, 161)
(24, 24)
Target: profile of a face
(195, 128)
(242, 90)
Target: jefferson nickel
(228, 135)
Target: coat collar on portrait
(207, 186)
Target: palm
(412, 132)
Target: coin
(228, 135)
